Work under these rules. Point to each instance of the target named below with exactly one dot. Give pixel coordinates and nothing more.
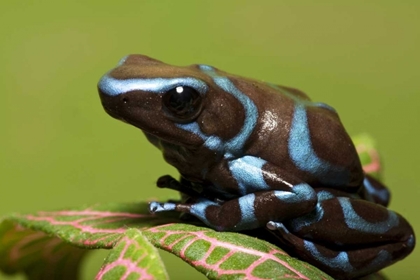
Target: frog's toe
(166, 181)
(272, 225)
(155, 207)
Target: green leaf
(51, 245)
(100, 226)
(227, 255)
(36, 254)
(133, 257)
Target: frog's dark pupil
(182, 102)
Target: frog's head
(175, 104)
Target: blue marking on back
(304, 156)
(383, 194)
(341, 261)
(300, 145)
(113, 87)
(247, 171)
(248, 218)
(355, 221)
(236, 144)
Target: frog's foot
(272, 225)
(168, 182)
(155, 207)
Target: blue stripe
(314, 216)
(113, 87)
(355, 221)
(304, 156)
(212, 142)
(198, 209)
(248, 218)
(341, 261)
(324, 195)
(235, 145)
(247, 171)
(305, 221)
(299, 193)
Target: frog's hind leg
(347, 237)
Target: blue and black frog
(258, 155)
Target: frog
(252, 155)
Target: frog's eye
(182, 103)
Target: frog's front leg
(247, 212)
(250, 210)
(184, 187)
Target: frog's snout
(108, 103)
(109, 97)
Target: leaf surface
(226, 255)
(53, 244)
(133, 257)
(37, 254)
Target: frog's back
(303, 137)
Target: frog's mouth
(112, 112)
(111, 105)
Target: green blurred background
(59, 149)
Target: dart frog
(257, 155)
